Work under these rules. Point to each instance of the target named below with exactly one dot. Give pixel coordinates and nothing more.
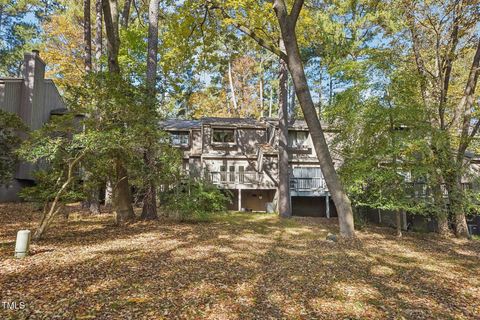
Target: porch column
(275, 200)
(327, 205)
(239, 199)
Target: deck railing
(307, 184)
(298, 184)
(225, 177)
(423, 190)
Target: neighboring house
(241, 155)
(34, 99)
(420, 189)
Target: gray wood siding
(246, 142)
(196, 144)
(248, 139)
(10, 93)
(53, 99)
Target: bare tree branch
(252, 34)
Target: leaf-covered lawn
(239, 266)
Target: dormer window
(297, 139)
(221, 135)
(179, 138)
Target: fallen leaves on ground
(239, 266)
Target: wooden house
(34, 99)
(241, 155)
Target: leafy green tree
(58, 151)
(19, 29)
(108, 121)
(445, 47)
(282, 23)
(10, 126)
(149, 210)
(384, 145)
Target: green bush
(195, 201)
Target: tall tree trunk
(270, 103)
(398, 222)
(456, 199)
(291, 109)
(115, 17)
(442, 214)
(284, 208)
(467, 134)
(330, 90)
(320, 88)
(439, 203)
(287, 24)
(87, 35)
(149, 211)
(395, 168)
(152, 46)
(98, 34)
(461, 227)
(110, 15)
(1, 17)
(95, 206)
(122, 198)
(442, 225)
(94, 202)
(108, 193)
(260, 89)
(126, 13)
(92, 192)
(232, 88)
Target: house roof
(296, 124)
(300, 124)
(235, 122)
(179, 124)
(12, 79)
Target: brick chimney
(33, 89)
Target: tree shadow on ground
(242, 266)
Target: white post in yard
(22, 243)
(239, 199)
(327, 205)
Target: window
(179, 138)
(232, 173)
(223, 136)
(241, 174)
(223, 173)
(297, 139)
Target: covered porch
(254, 200)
